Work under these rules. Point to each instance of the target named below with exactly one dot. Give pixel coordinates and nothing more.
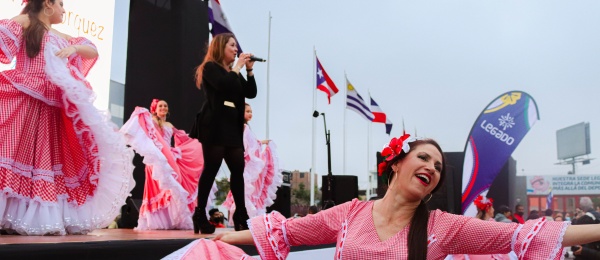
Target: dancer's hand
(66, 52)
(235, 238)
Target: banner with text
(563, 185)
(93, 20)
(494, 136)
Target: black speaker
(130, 213)
(166, 41)
(282, 202)
(344, 188)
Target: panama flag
(494, 136)
(324, 83)
(218, 20)
(380, 117)
(356, 103)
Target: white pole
(314, 130)
(344, 141)
(368, 156)
(268, 70)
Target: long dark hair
(34, 33)
(417, 233)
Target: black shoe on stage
(201, 223)
(240, 220)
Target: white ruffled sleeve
(10, 40)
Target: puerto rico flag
(219, 22)
(324, 83)
(380, 117)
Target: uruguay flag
(380, 117)
(219, 22)
(356, 103)
(324, 83)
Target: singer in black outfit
(220, 124)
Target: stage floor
(109, 235)
(114, 244)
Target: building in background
(562, 191)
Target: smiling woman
(399, 226)
(172, 173)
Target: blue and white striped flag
(356, 103)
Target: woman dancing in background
(262, 174)
(64, 168)
(172, 173)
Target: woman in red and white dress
(398, 226)
(262, 174)
(172, 173)
(485, 211)
(64, 168)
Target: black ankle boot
(240, 220)
(201, 222)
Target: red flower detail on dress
(153, 106)
(482, 203)
(393, 149)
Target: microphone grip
(254, 58)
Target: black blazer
(216, 123)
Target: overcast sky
(435, 64)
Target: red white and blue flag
(380, 117)
(324, 83)
(219, 22)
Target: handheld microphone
(254, 58)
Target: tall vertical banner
(494, 136)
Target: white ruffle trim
(114, 178)
(253, 169)
(178, 211)
(277, 177)
(11, 36)
(559, 246)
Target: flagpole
(314, 130)
(344, 141)
(368, 156)
(268, 70)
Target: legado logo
(506, 121)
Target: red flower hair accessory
(482, 203)
(24, 2)
(393, 149)
(153, 105)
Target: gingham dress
(350, 226)
(63, 166)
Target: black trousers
(213, 157)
